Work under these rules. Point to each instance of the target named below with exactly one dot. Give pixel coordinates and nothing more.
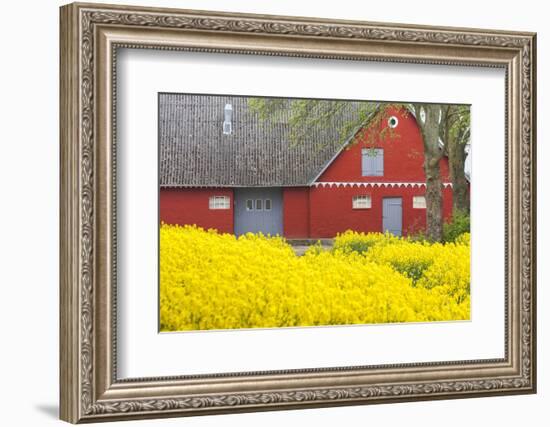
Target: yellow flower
(218, 281)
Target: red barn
(223, 167)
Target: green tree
(429, 120)
(455, 136)
(305, 115)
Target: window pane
(267, 205)
(218, 202)
(249, 205)
(258, 204)
(361, 202)
(419, 202)
(372, 162)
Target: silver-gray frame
(90, 36)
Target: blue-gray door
(392, 215)
(258, 210)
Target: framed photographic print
(266, 212)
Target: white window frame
(363, 201)
(265, 204)
(419, 202)
(251, 208)
(256, 204)
(219, 202)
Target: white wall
(29, 170)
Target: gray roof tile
(194, 151)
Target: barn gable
(397, 157)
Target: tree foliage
(348, 118)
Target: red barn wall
(296, 212)
(403, 155)
(331, 207)
(190, 206)
(447, 204)
(331, 210)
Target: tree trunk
(457, 157)
(430, 128)
(434, 214)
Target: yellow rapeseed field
(218, 281)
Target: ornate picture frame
(90, 37)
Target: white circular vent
(393, 122)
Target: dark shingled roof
(194, 151)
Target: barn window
(249, 205)
(393, 122)
(372, 162)
(419, 202)
(258, 204)
(218, 202)
(267, 204)
(361, 202)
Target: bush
(353, 241)
(409, 258)
(459, 224)
(418, 236)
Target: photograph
(300, 212)
(262, 211)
